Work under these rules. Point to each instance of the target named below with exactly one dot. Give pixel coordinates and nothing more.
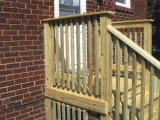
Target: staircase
(138, 99)
(93, 67)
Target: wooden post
(49, 63)
(148, 48)
(106, 61)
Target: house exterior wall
(22, 58)
(138, 9)
(22, 76)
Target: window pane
(67, 2)
(75, 2)
(121, 1)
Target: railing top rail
(108, 13)
(131, 23)
(134, 46)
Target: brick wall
(138, 9)
(21, 58)
(21, 52)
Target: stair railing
(139, 56)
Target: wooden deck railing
(74, 48)
(147, 62)
(79, 72)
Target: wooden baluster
(84, 44)
(78, 55)
(67, 53)
(68, 112)
(58, 110)
(141, 39)
(48, 107)
(90, 55)
(63, 112)
(52, 56)
(136, 37)
(134, 85)
(79, 114)
(142, 105)
(62, 54)
(125, 108)
(57, 54)
(96, 54)
(85, 115)
(54, 111)
(117, 80)
(72, 55)
(151, 93)
(130, 37)
(73, 113)
(110, 74)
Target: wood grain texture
(79, 100)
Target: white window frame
(56, 7)
(127, 4)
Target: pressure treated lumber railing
(78, 60)
(74, 48)
(146, 98)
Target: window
(69, 7)
(124, 3)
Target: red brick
(5, 38)
(11, 54)
(26, 110)
(11, 43)
(13, 21)
(28, 100)
(9, 9)
(17, 27)
(18, 5)
(14, 87)
(7, 60)
(25, 32)
(10, 32)
(29, 84)
(35, 112)
(13, 114)
(34, 88)
(21, 91)
(19, 70)
(13, 76)
(24, 1)
(31, 6)
(18, 48)
(16, 98)
(3, 90)
(5, 72)
(24, 11)
(22, 116)
(8, 94)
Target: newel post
(148, 47)
(106, 83)
(49, 64)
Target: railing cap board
(134, 46)
(108, 13)
(131, 23)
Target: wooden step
(122, 87)
(146, 109)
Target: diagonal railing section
(145, 103)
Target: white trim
(56, 8)
(127, 4)
(82, 6)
